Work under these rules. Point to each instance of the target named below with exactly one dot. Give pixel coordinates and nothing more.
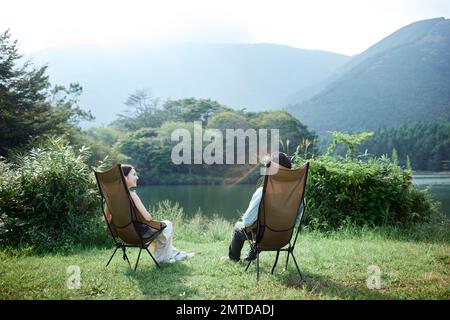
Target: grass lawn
(414, 264)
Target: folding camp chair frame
(289, 249)
(121, 244)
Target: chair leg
(137, 261)
(248, 265)
(125, 257)
(152, 258)
(296, 265)
(257, 266)
(109, 261)
(250, 262)
(276, 261)
(287, 259)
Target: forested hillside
(403, 78)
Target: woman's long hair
(126, 168)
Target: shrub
(48, 197)
(344, 191)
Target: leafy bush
(48, 197)
(346, 191)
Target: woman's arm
(140, 206)
(107, 213)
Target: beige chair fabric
(127, 222)
(283, 193)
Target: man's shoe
(251, 254)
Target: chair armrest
(155, 224)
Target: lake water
(228, 202)
(438, 185)
(231, 202)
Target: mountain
(252, 76)
(403, 78)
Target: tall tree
(29, 106)
(193, 109)
(142, 111)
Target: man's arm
(251, 214)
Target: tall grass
(413, 262)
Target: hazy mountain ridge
(403, 78)
(252, 76)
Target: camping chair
(127, 226)
(283, 193)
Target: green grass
(414, 263)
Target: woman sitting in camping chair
(161, 247)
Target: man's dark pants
(238, 238)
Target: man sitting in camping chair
(243, 229)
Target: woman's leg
(162, 245)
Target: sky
(342, 26)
